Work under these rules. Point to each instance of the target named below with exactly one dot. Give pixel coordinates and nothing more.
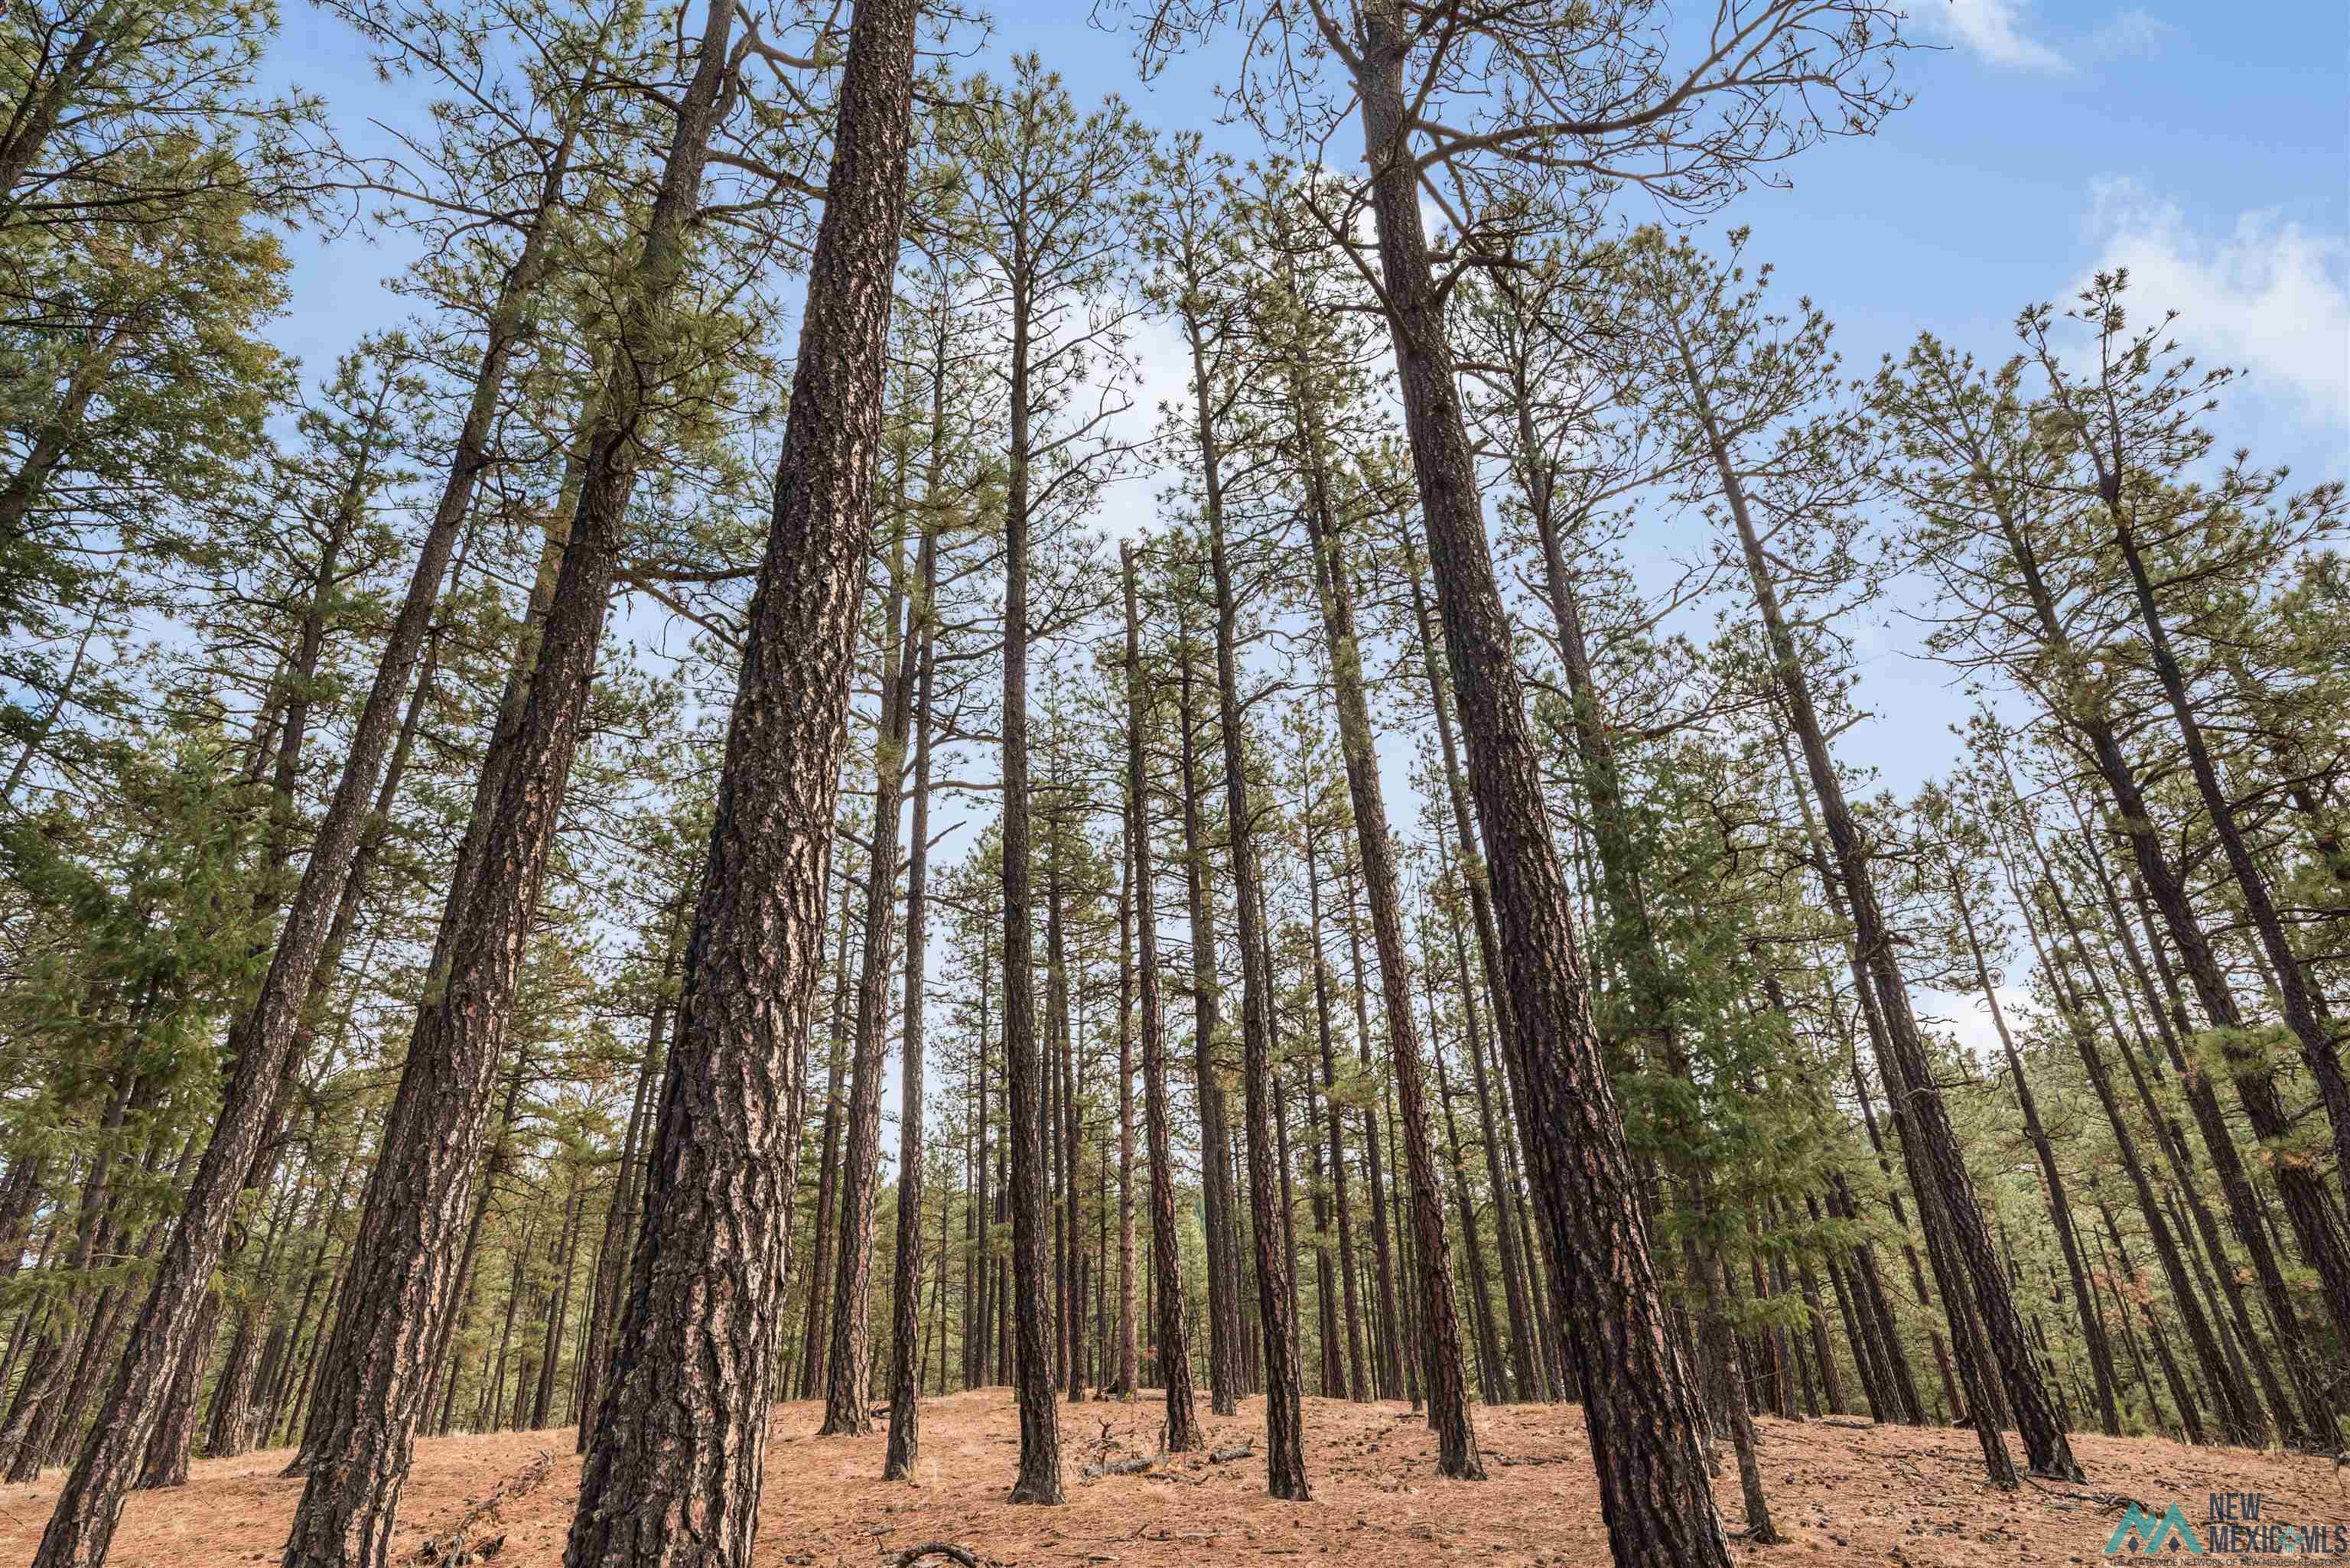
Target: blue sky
(2206, 148)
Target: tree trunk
(1939, 1160)
(1285, 1421)
(905, 1297)
(1654, 1492)
(848, 1367)
(675, 1466)
(266, 1035)
(1172, 1350)
(1356, 1387)
(1438, 1339)
(1223, 1268)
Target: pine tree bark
(1284, 1454)
(848, 1364)
(1642, 1420)
(1172, 1348)
(82, 1525)
(676, 1464)
(1438, 1340)
(1223, 1267)
(905, 1303)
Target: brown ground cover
(1843, 1494)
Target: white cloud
(2268, 296)
(1965, 1018)
(1994, 29)
(2132, 34)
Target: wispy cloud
(2132, 34)
(2266, 295)
(1995, 30)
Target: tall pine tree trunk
(1172, 1350)
(1642, 1420)
(676, 1464)
(1436, 1344)
(906, 1362)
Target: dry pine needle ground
(1843, 1495)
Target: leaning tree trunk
(2300, 1002)
(1174, 1350)
(1642, 1419)
(1947, 1187)
(88, 1509)
(1439, 1340)
(675, 1467)
(397, 1289)
(2060, 1209)
(905, 1303)
(1284, 1454)
(848, 1367)
(2303, 1192)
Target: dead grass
(1844, 1495)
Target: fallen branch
(953, 1554)
(457, 1548)
(2112, 1501)
(1237, 1451)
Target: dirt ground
(1842, 1494)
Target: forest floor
(1843, 1494)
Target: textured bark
(1285, 1421)
(2060, 1209)
(267, 1037)
(1216, 1182)
(675, 1466)
(1172, 1350)
(848, 1367)
(1642, 1420)
(1438, 1339)
(1931, 1142)
(382, 1354)
(906, 1362)
(1357, 1387)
